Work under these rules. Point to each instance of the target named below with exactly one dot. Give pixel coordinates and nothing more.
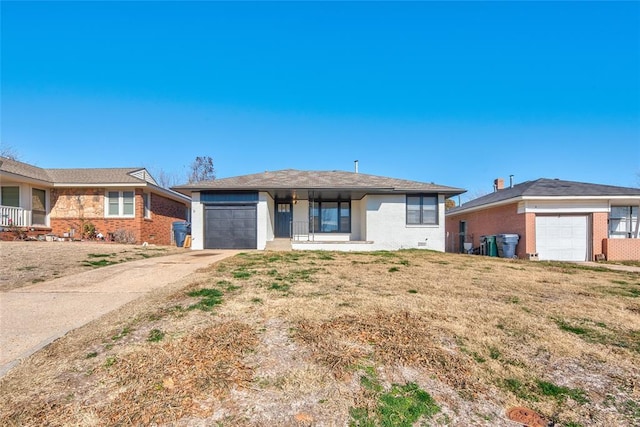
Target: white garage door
(562, 238)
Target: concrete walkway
(33, 316)
(616, 267)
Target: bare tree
(8, 151)
(202, 170)
(165, 179)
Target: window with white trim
(422, 209)
(623, 221)
(120, 203)
(146, 198)
(10, 196)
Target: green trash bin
(492, 247)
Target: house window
(120, 203)
(38, 207)
(146, 198)
(623, 221)
(10, 196)
(422, 209)
(330, 217)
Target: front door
(462, 235)
(283, 220)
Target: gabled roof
(84, 177)
(548, 188)
(92, 176)
(24, 170)
(317, 180)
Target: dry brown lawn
(26, 262)
(324, 338)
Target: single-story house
(331, 210)
(555, 220)
(122, 203)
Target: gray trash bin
(507, 245)
(180, 231)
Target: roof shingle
(71, 176)
(298, 179)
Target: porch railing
(300, 231)
(10, 215)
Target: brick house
(123, 203)
(555, 219)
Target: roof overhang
(174, 195)
(98, 184)
(21, 178)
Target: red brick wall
(103, 225)
(156, 230)
(505, 219)
(164, 212)
(530, 242)
(621, 249)
(498, 220)
(599, 231)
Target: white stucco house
(330, 210)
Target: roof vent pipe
(510, 181)
(355, 165)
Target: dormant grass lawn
(323, 338)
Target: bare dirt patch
(25, 263)
(320, 338)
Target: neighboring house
(557, 220)
(117, 201)
(317, 210)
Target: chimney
(498, 184)
(355, 165)
(510, 181)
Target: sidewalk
(33, 316)
(616, 267)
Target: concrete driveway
(33, 316)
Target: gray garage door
(230, 227)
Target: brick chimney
(498, 184)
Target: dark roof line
(544, 187)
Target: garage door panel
(562, 238)
(244, 214)
(230, 227)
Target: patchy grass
(59, 259)
(209, 299)
(155, 335)
(560, 393)
(101, 255)
(401, 406)
(99, 263)
(123, 333)
(324, 338)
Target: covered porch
(23, 205)
(319, 219)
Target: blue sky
(454, 93)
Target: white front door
(562, 237)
